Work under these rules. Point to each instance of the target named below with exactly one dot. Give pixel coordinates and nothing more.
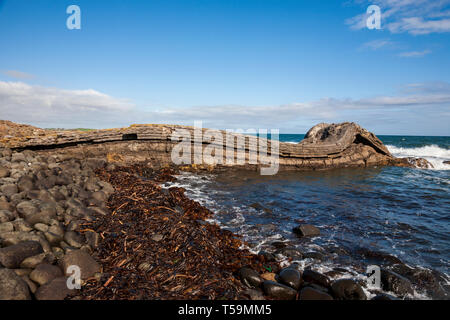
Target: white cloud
(378, 44)
(52, 107)
(18, 74)
(414, 54)
(412, 16)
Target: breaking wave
(433, 153)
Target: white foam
(433, 153)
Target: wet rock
(13, 287)
(291, 252)
(250, 277)
(88, 266)
(313, 255)
(9, 189)
(431, 282)
(12, 256)
(392, 281)
(54, 290)
(347, 289)
(290, 277)
(315, 277)
(278, 291)
(309, 293)
(306, 230)
(44, 273)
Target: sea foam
(433, 153)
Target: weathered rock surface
(306, 230)
(54, 290)
(347, 289)
(45, 273)
(88, 266)
(12, 256)
(309, 293)
(325, 145)
(13, 287)
(279, 291)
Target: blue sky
(233, 64)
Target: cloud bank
(427, 103)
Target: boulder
(44, 273)
(315, 277)
(250, 277)
(54, 290)
(12, 256)
(13, 287)
(9, 189)
(347, 289)
(290, 277)
(309, 293)
(278, 291)
(392, 281)
(306, 230)
(88, 266)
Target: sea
(398, 213)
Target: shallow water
(400, 211)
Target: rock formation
(325, 146)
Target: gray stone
(44, 273)
(25, 183)
(13, 287)
(84, 261)
(157, 237)
(12, 256)
(315, 277)
(347, 289)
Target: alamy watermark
(373, 273)
(74, 281)
(373, 20)
(74, 20)
(236, 147)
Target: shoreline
(132, 239)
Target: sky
(263, 64)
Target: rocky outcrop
(325, 146)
